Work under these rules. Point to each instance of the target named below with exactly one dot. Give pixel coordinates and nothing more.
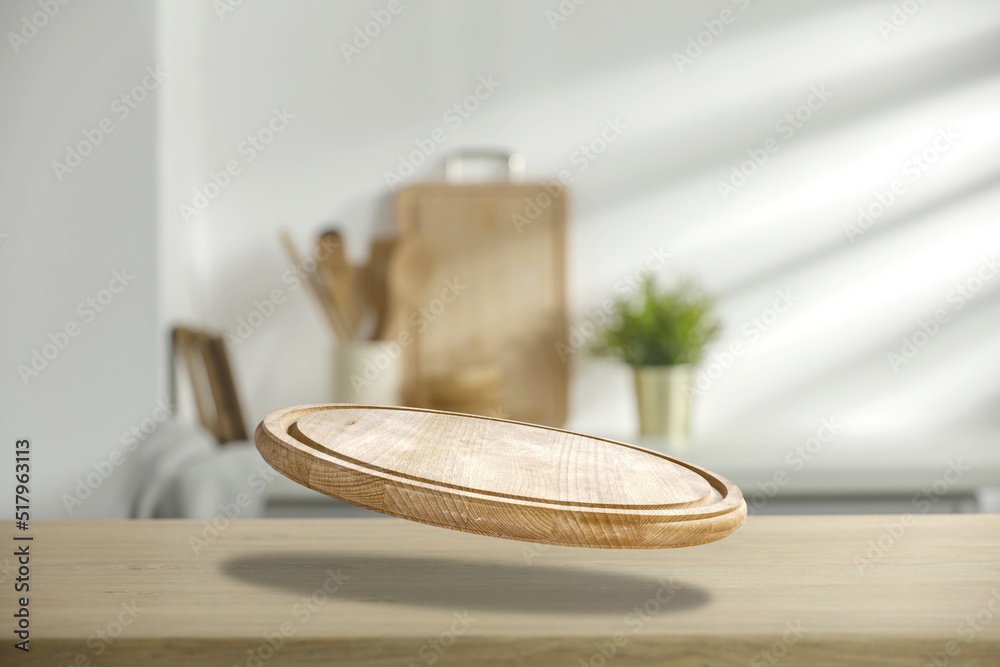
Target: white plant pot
(663, 394)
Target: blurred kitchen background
(829, 171)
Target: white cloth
(988, 498)
(180, 472)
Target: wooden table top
(868, 590)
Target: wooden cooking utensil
(500, 478)
(317, 290)
(376, 284)
(340, 278)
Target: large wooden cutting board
(491, 293)
(500, 478)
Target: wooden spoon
(376, 284)
(314, 285)
(338, 274)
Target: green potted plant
(662, 334)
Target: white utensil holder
(368, 373)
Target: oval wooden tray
(500, 478)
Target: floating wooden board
(510, 309)
(500, 478)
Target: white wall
(64, 239)
(656, 186)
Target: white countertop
(845, 465)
